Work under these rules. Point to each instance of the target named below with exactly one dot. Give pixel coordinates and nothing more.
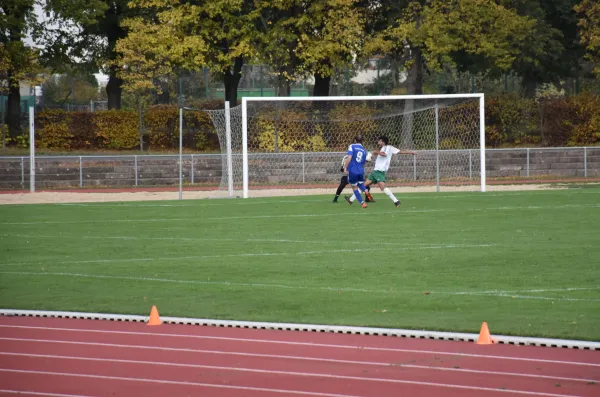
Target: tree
(430, 34)
(379, 16)
(61, 89)
(300, 38)
(211, 33)
(552, 51)
(84, 36)
(589, 24)
(333, 35)
(18, 62)
(278, 39)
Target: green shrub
(117, 129)
(84, 131)
(511, 120)
(293, 133)
(584, 123)
(52, 130)
(162, 124)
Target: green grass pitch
(528, 263)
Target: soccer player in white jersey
(382, 164)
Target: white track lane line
(349, 362)
(285, 343)
(36, 393)
(170, 382)
(416, 383)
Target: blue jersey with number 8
(359, 156)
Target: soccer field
(528, 263)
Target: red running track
(66, 357)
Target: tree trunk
(114, 32)
(321, 85)
(395, 73)
(415, 74)
(114, 89)
(283, 86)
(529, 85)
(164, 97)
(232, 81)
(13, 110)
(415, 87)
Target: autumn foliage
(119, 129)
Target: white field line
(535, 297)
(193, 257)
(225, 283)
(349, 362)
(177, 383)
(200, 218)
(265, 341)
(534, 290)
(36, 393)
(292, 287)
(230, 202)
(299, 374)
(239, 240)
(302, 358)
(317, 252)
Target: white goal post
(298, 142)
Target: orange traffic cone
(154, 318)
(484, 335)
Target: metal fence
(294, 168)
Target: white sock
(353, 197)
(390, 194)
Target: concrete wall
(297, 168)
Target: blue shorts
(355, 179)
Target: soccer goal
(279, 143)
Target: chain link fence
(205, 171)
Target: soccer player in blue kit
(354, 166)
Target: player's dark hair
(384, 139)
(358, 139)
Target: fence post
(527, 162)
(192, 170)
(437, 149)
(31, 149)
(80, 172)
(585, 162)
(470, 164)
(22, 172)
(135, 169)
(415, 168)
(303, 168)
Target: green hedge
(119, 129)
(560, 121)
(511, 121)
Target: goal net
(298, 142)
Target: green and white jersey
(383, 163)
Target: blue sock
(362, 187)
(358, 196)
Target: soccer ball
(369, 156)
